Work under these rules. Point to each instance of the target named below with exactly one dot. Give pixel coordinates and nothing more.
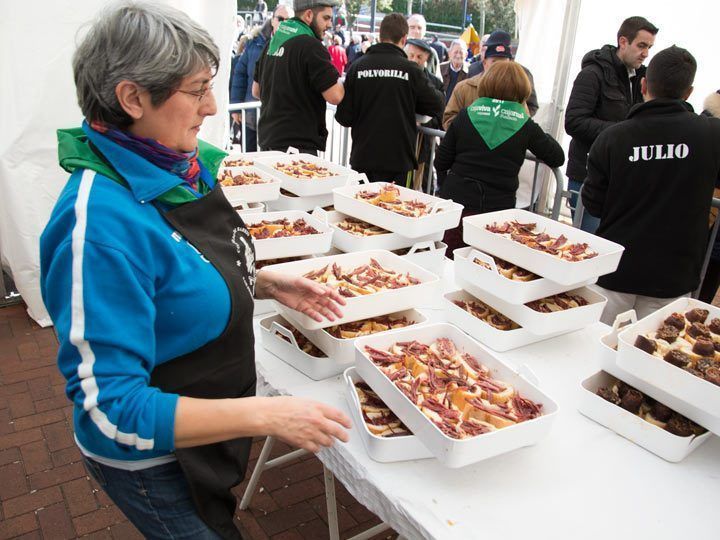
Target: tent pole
(562, 74)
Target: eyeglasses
(200, 94)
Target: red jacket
(338, 57)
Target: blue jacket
(126, 293)
(242, 76)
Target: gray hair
(151, 45)
(458, 42)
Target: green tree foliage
(498, 13)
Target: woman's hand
(301, 294)
(305, 423)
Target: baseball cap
(498, 44)
(301, 5)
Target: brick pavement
(45, 492)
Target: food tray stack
(545, 294)
(295, 245)
(244, 195)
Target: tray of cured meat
(248, 184)
(385, 437)
(285, 341)
(462, 402)
(542, 246)
(373, 283)
(288, 234)
(647, 422)
(486, 324)
(339, 341)
(306, 175)
(504, 279)
(675, 350)
(352, 234)
(246, 159)
(290, 201)
(407, 212)
(556, 314)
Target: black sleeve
(445, 154)
(344, 112)
(544, 147)
(595, 185)
(428, 101)
(580, 120)
(320, 71)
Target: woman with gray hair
(149, 276)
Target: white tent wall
(38, 97)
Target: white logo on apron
(244, 248)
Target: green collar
(496, 120)
(288, 30)
(75, 152)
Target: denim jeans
(589, 223)
(156, 500)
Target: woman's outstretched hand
(301, 294)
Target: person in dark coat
(485, 146)
(607, 86)
(383, 93)
(650, 182)
(244, 69)
(455, 69)
(711, 282)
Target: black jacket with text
(383, 92)
(650, 181)
(600, 97)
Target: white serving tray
(263, 307)
(246, 209)
(305, 204)
(649, 436)
(543, 323)
(698, 399)
(371, 305)
(382, 449)
(513, 292)
(432, 259)
(543, 264)
(250, 193)
(291, 246)
(444, 215)
(606, 356)
(344, 349)
(250, 156)
(315, 368)
(307, 188)
(451, 452)
(348, 243)
(498, 340)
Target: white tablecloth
(582, 481)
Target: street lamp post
(373, 6)
(464, 19)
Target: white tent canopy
(38, 95)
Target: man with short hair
(383, 92)
(650, 182)
(416, 30)
(242, 75)
(455, 69)
(466, 92)
(294, 77)
(607, 86)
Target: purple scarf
(184, 165)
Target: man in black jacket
(383, 92)
(650, 181)
(603, 92)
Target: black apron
(223, 368)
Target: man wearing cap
(383, 93)
(498, 50)
(416, 30)
(294, 77)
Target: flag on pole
(472, 39)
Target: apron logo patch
(240, 239)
